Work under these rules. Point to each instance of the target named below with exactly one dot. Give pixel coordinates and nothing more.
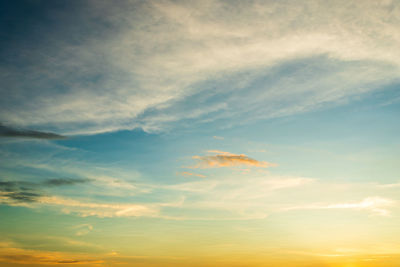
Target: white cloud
(84, 208)
(83, 229)
(251, 196)
(375, 205)
(395, 185)
(141, 73)
(239, 197)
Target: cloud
(69, 172)
(65, 181)
(286, 182)
(226, 159)
(375, 205)
(23, 199)
(395, 185)
(83, 229)
(25, 185)
(232, 197)
(12, 254)
(158, 59)
(6, 131)
(20, 196)
(20, 192)
(192, 174)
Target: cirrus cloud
(375, 205)
(158, 59)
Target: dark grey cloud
(23, 196)
(28, 192)
(11, 186)
(20, 191)
(6, 131)
(65, 181)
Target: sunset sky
(200, 133)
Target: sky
(200, 133)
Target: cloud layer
(154, 64)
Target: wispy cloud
(375, 205)
(29, 192)
(19, 192)
(19, 197)
(9, 253)
(100, 209)
(395, 185)
(31, 195)
(84, 208)
(237, 198)
(65, 181)
(275, 64)
(192, 174)
(81, 171)
(226, 159)
(83, 229)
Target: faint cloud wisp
(375, 205)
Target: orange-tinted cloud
(193, 174)
(12, 254)
(226, 159)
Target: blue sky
(216, 133)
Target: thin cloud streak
(65, 181)
(375, 205)
(102, 210)
(12, 254)
(193, 174)
(395, 185)
(6, 131)
(84, 208)
(19, 192)
(31, 195)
